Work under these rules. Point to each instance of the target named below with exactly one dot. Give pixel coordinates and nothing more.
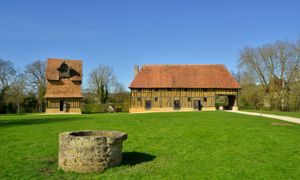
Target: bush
(92, 108)
(118, 108)
(100, 108)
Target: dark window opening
(156, 98)
(74, 73)
(177, 104)
(169, 89)
(61, 105)
(156, 89)
(64, 71)
(148, 104)
(205, 99)
(189, 99)
(139, 98)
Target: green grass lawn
(295, 114)
(210, 145)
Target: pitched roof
(184, 76)
(53, 64)
(64, 87)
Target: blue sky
(123, 33)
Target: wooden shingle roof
(63, 87)
(184, 76)
(53, 64)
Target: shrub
(92, 108)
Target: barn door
(148, 104)
(61, 105)
(177, 104)
(197, 105)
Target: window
(155, 89)
(156, 98)
(189, 99)
(64, 71)
(205, 99)
(148, 104)
(169, 89)
(139, 99)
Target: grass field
(295, 114)
(189, 145)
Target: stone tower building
(63, 89)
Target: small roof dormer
(64, 70)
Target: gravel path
(283, 118)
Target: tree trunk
(18, 107)
(284, 96)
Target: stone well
(90, 151)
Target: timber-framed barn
(181, 88)
(63, 86)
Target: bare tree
(36, 81)
(275, 67)
(119, 88)
(17, 92)
(7, 75)
(102, 80)
(119, 95)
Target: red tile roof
(184, 76)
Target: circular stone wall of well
(90, 151)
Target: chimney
(136, 69)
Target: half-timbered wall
(55, 102)
(162, 98)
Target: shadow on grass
(45, 120)
(13, 114)
(134, 158)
